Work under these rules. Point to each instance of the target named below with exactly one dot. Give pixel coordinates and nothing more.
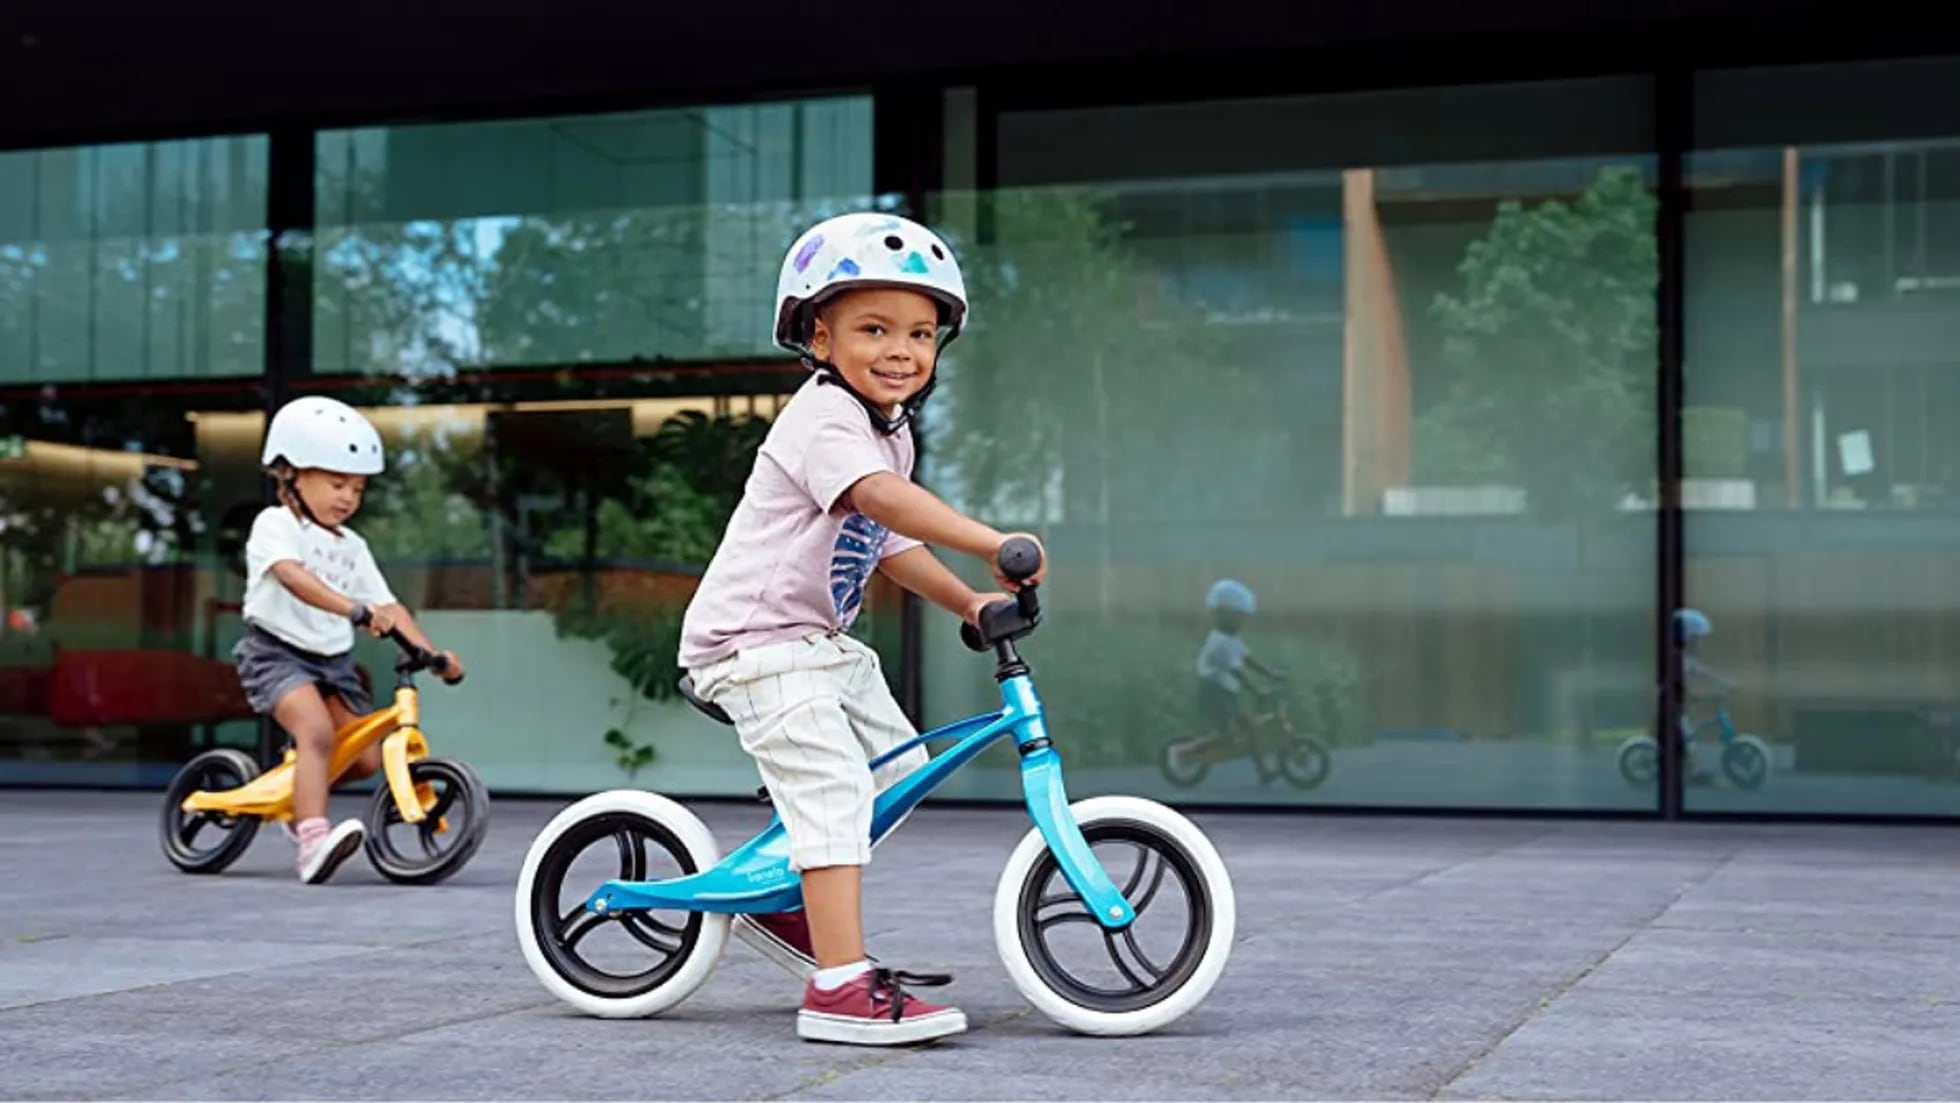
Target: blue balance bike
(1114, 916)
(1745, 756)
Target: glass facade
(1823, 504)
(1395, 375)
(132, 321)
(1390, 360)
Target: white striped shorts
(813, 713)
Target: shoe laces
(891, 984)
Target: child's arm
(399, 615)
(372, 586)
(911, 510)
(1262, 669)
(307, 587)
(921, 572)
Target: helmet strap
(886, 423)
(290, 481)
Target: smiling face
(883, 341)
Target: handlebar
(414, 658)
(1019, 559)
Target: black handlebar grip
(1020, 558)
(970, 636)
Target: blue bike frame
(756, 877)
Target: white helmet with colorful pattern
(866, 249)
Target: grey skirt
(269, 668)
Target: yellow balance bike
(215, 804)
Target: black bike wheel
(656, 949)
(1305, 762)
(434, 853)
(1181, 770)
(1745, 764)
(1141, 966)
(207, 842)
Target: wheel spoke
(1066, 917)
(1143, 959)
(577, 925)
(444, 801)
(426, 831)
(188, 827)
(636, 925)
(1137, 904)
(1136, 983)
(632, 855)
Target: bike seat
(708, 708)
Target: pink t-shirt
(793, 561)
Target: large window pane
(123, 270)
(551, 524)
(1823, 277)
(121, 525)
(1387, 360)
(643, 236)
(133, 261)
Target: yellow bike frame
(269, 796)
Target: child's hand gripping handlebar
(1019, 560)
(414, 658)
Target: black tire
(1185, 776)
(1305, 762)
(223, 768)
(460, 797)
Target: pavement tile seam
(1560, 990)
(153, 1089)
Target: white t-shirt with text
(339, 559)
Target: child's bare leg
(833, 898)
(370, 760)
(306, 718)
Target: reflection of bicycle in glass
(1745, 757)
(1267, 733)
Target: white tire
(1736, 764)
(687, 839)
(1639, 759)
(1212, 918)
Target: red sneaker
(782, 937)
(874, 1010)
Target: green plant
(631, 756)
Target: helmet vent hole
(894, 242)
(938, 253)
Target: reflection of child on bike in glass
(1745, 757)
(1224, 657)
(1229, 729)
(309, 580)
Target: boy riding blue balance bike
(1074, 914)
(869, 300)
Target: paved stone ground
(1377, 958)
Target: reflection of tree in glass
(687, 484)
(1551, 342)
(1080, 361)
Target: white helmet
(867, 249)
(325, 433)
(1230, 593)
